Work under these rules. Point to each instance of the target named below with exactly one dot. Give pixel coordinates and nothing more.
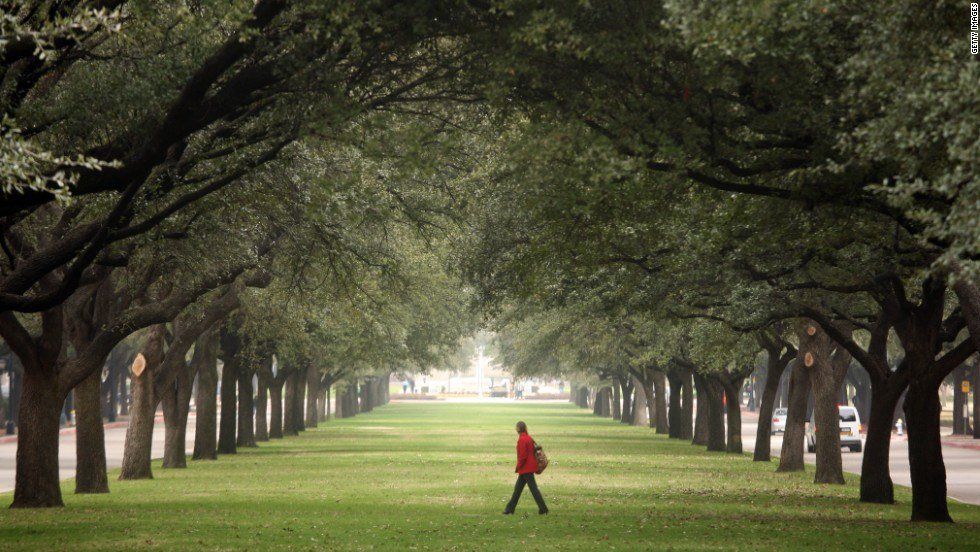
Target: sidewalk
(115, 438)
(67, 431)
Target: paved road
(962, 465)
(114, 439)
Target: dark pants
(526, 479)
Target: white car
(850, 430)
(778, 421)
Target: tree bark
(674, 407)
(732, 387)
(926, 467)
(640, 411)
(312, 393)
(775, 366)
(229, 401)
(617, 412)
(716, 414)
(139, 435)
(961, 424)
(701, 416)
(288, 407)
(660, 387)
(626, 390)
(827, 369)
(246, 410)
(110, 392)
(651, 401)
(275, 406)
(876, 481)
(791, 456)
(686, 430)
(261, 407)
(90, 466)
(37, 483)
(176, 408)
(322, 406)
(366, 400)
(206, 401)
(124, 398)
(299, 401)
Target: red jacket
(527, 462)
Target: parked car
(850, 430)
(778, 421)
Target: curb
(956, 444)
(68, 431)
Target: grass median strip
(437, 476)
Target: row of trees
(695, 188)
(194, 181)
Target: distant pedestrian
(404, 387)
(527, 466)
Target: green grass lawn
(437, 476)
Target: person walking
(527, 466)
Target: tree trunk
(275, 410)
(876, 481)
(660, 386)
(686, 430)
(763, 434)
(288, 407)
(674, 408)
(826, 415)
(206, 401)
(176, 408)
(124, 398)
(640, 411)
(367, 394)
(961, 424)
(701, 416)
(926, 467)
(626, 390)
(261, 409)
(139, 435)
(299, 401)
(732, 389)
(651, 401)
(36, 481)
(791, 456)
(716, 414)
(90, 467)
(312, 393)
(617, 412)
(229, 401)
(353, 408)
(110, 392)
(246, 410)
(322, 408)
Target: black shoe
(543, 512)
(508, 512)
